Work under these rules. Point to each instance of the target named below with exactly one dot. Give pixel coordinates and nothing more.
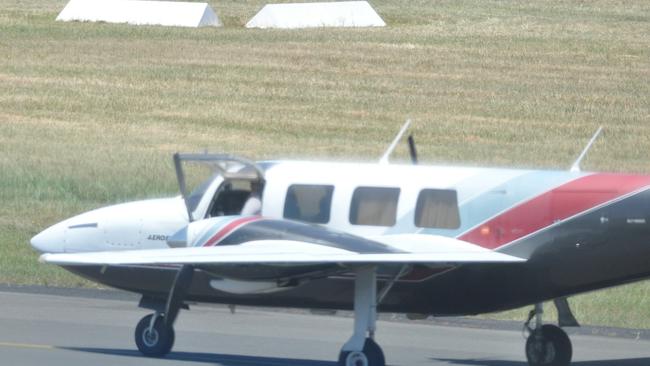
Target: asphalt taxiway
(66, 328)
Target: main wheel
(155, 342)
(372, 355)
(549, 346)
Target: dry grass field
(90, 113)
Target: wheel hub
(356, 359)
(150, 337)
(548, 352)
(542, 351)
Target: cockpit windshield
(194, 198)
(229, 176)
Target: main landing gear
(154, 334)
(547, 345)
(361, 349)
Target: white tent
(170, 13)
(310, 15)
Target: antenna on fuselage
(391, 147)
(412, 150)
(576, 165)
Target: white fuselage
(147, 224)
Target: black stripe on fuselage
(298, 231)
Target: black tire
(549, 346)
(374, 353)
(159, 342)
(371, 350)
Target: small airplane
(421, 240)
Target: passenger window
(310, 203)
(375, 206)
(437, 208)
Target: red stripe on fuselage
(557, 204)
(228, 228)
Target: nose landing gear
(154, 334)
(153, 337)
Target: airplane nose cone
(50, 240)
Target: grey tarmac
(86, 328)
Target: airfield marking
(26, 345)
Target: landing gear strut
(154, 334)
(547, 344)
(361, 349)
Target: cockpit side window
(230, 198)
(437, 208)
(309, 203)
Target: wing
(288, 253)
(289, 260)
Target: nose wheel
(153, 337)
(154, 334)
